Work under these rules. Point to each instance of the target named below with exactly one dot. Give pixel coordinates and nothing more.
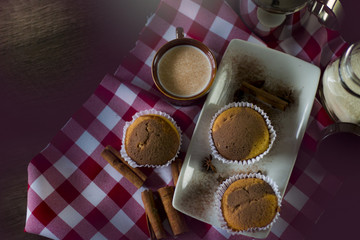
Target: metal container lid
(329, 12)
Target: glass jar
(340, 90)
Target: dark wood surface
(53, 54)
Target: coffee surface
(184, 71)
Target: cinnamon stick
(176, 219)
(153, 214)
(175, 169)
(122, 168)
(264, 96)
(137, 171)
(151, 231)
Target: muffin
(151, 139)
(248, 202)
(241, 132)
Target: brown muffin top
(249, 203)
(240, 133)
(151, 139)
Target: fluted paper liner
(271, 130)
(225, 184)
(123, 152)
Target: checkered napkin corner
(311, 42)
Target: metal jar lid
(329, 12)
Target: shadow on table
(339, 154)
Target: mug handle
(179, 32)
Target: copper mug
(177, 75)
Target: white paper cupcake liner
(123, 152)
(221, 190)
(271, 129)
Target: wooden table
(53, 54)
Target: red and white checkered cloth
(75, 194)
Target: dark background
(53, 54)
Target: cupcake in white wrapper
(241, 132)
(254, 201)
(151, 139)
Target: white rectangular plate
(194, 194)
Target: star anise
(207, 164)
